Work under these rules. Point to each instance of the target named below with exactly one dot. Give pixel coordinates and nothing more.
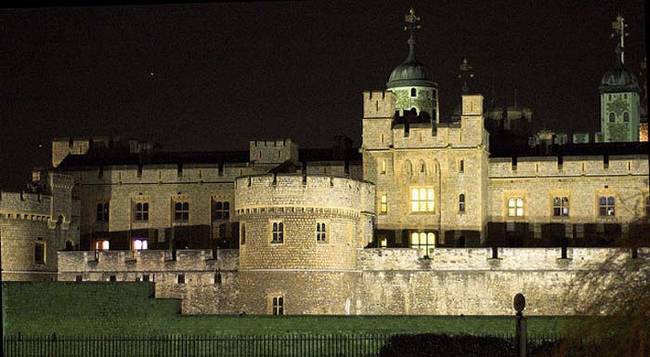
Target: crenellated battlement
(304, 191)
(553, 166)
(378, 104)
(187, 260)
(485, 259)
(24, 205)
(273, 151)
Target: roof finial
(411, 25)
(466, 73)
(619, 26)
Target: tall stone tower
(410, 82)
(619, 96)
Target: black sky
(224, 74)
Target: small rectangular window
(145, 277)
(461, 166)
(220, 211)
(278, 305)
(321, 232)
(78, 278)
(242, 233)
(141, 212)
(607, 206)
(102, 212)
(382, 166)
(217, 278)
(180, 278)
(516, 207)
(112, 278)
(277, 232)
(39, 251)
(461, 203)
(181, 212)
(383, 204)
(560, 206)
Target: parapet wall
(569, 166)
(478, 259)
(25, 205)
(303, 191)
(378, 104)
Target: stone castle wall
(386, 281)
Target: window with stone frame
(180, 278)
(220, 210)
(277, 305)
(277, 232)
(181, 212)
(39, 251)
(414, 92)
(560, 206)
(102, 212)
(515, 207)
(606, 206)
(424, 242)
(383, 203)
(141, 213)
(461, 203)
(421, 199)
(321, 232)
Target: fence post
(519, 304)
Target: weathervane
(411, 25)
(619, 27)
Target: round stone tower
(299, 237)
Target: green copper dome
(410, 73)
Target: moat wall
(386, 281)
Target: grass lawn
(128, 309)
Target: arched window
(461, 202)
(612, 117)
(414, 92)
(626, 117)
(140, 244)
(382, 166)
(408, 167)
(321, 232)
(423, 167)
(424, 242)
(278, 232)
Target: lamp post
(519, 303)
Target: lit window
(277, 305)
(414, 92)
(560, 206)
(102, 212)
(140, 244)
(221, 211)
(516, 207)
(277, 232)
(607, 206)
(421, 200)
(321, 232)
(102, 245)
(626, 117)
(39, 251)
(181, 212)
(461, 202)
(383, 242)
(424, 242)
(141, 212)
(612, 117)
(242, 233)
(383, 203)
(382, 166)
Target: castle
(422, 218)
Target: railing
(181, 346)
(277, 345)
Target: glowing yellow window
(383, 203)
(421, 200)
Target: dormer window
(414, 92)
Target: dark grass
(122, 309)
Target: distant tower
(410, 81)
(619, 95)
(466, 75)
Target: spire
(619, 26)
(411, 25)
(466, 73)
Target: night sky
(207, 76)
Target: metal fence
(182, 346)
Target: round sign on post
(519, 302)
